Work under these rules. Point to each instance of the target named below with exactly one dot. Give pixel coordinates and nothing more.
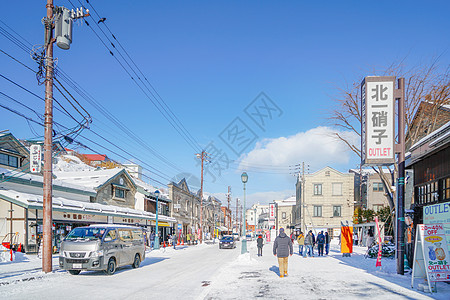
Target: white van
(102, 247)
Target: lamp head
(157, 192)
(244, 177)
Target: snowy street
(205, 272)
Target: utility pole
(203, 156)
(63, 38)
(303, 197)
(48, 131)
(228, 214)
(236, 218)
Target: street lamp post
(244, 178)
(156, 246)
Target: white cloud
(317, 147)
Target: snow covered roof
(432, 135)
(62, 204)
(7, 175)
(88, 178)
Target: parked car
(236, 236)
(227, 241)
(102, 247)
(249, 237)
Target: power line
(163, 109)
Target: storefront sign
(438, 213)
(431, 257)
(377, 126)
(35, 158)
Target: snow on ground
(328, 277)
(205, 272)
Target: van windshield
(86, 233)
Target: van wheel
(74, 272)
(137, 261)
(111, 268)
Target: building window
(327, 173)
(446, 188)
(337, 211)
(119, 193)
(317, 211)
(378, 187)
(317, 189)
(283, 215)
(9, 160)
(337, 189)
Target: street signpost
(378, 147)
(378, 115)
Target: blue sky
(209, 61)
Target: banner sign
(378, 263)
(35, 158)
(272, 211)
(377, 122)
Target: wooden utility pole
(48, 123)
(228, 214)
(236, 218)
(203, 156)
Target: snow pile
(5, 255)
(70, 163)
(246, 259)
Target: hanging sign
(377, 120)
(35, 158)
(272, 211)
(431, 258)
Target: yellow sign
(433, 239)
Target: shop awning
(32, 201)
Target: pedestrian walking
(174, 240)
(327, 242)
(309, 244)
(301, 243)
(320, 243)
(152, 240)
(260, 244)
(313, 242)
(188, 238)
(282, 248)
(355, 238)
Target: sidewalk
(328, 277)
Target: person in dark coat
(320, 243)
(260, 243)
(327, 242)
(282, 248)
(309, 244)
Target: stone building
(328, 200)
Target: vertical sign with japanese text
(35, 158)
(378, 115)
(272, 211)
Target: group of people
(306, 243)
(283, 247)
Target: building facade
(328, 200)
